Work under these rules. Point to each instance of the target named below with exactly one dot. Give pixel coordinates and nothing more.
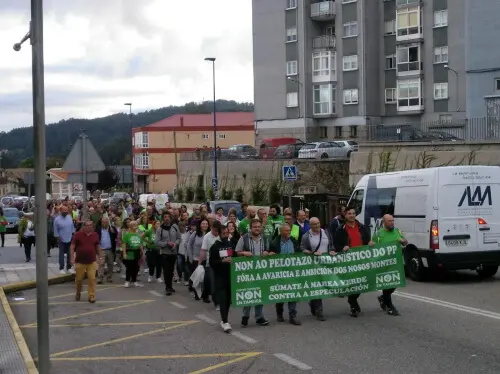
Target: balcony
(323, 11)
(324, 41)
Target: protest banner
(299, 277)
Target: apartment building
(157, 147)
(329, 69)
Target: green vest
(295, 232)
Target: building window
(408, 59)
(390, 96)
(497, 84)
(338, 132)
(141, 161)
(390, 27)
(408, 21)
(291, 68)
(324, 99)
(354, 131)
(351, 96)
(205, 136)
(291, 35)
(350, 63)
(390, 62)
(291, 4)
(141, 140)
(440, 91)
(446, 118)
(409, 94)
(292, 99)
(350, 29)
(324, 64)
(441, 18)
(221, 136)
(440, 55)
(348, 1)
(323, 132)
(406, 2)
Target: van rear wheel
(486, 272)
(415, 267)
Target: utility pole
(35, 34)
(215, 179)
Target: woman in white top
(27, 234)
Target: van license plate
(456, 243)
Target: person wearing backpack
(250, 245)
(167, 240)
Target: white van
(446, 214)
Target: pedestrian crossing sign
(289, 173)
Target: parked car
(243, 151)
(8, 200)
(349, 144)
(269, 146)
(12, 216)
(442, 136)
(288, 150)
(324, 150)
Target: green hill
(110, 135)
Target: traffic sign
(289, 173)
(215, 183)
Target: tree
(108, 178)
(27, 163)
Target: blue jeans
(259, 313)
(292, 309)
(64, 249)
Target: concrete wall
(375, 158)
(327, 176)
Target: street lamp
(131, 140)
(215, 180)
(456, 82)
(35, 35)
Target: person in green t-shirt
(244, 226)
(387, 234)
(275, 219)
(132, 252)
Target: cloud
(100, 54)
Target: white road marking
(446, 304)
(291, 361)
(206, 319)
(243, 337)
(155, 293)
(178, 305)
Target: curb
(18, 335)
(22, 286)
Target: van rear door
(468, 221)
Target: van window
(357, 200)
(386, 198)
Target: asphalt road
(12, 253)
(445, 324)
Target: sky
(100, 54)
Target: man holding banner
(388, 233)
(352, 234)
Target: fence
(471, 129)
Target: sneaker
(71, 271)
(100, 281)
(206, 301)
(159, 280)
(62, 272)
(146, 270)
(137, 284)
(294, 321)
(382, 303)
(280, 318)
(168, 293)
(262, 322)
(354, 312)
(150, 279)
(244, 321)
(115, 263)
(186, 284)
(171, 290)
(126, 285)
(217, 308)
(91, 300)
(391, 310)
(226, 327)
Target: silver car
(323, 150)
(348, 144)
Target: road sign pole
(42, 302)
(290, 192)
(289, 175)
